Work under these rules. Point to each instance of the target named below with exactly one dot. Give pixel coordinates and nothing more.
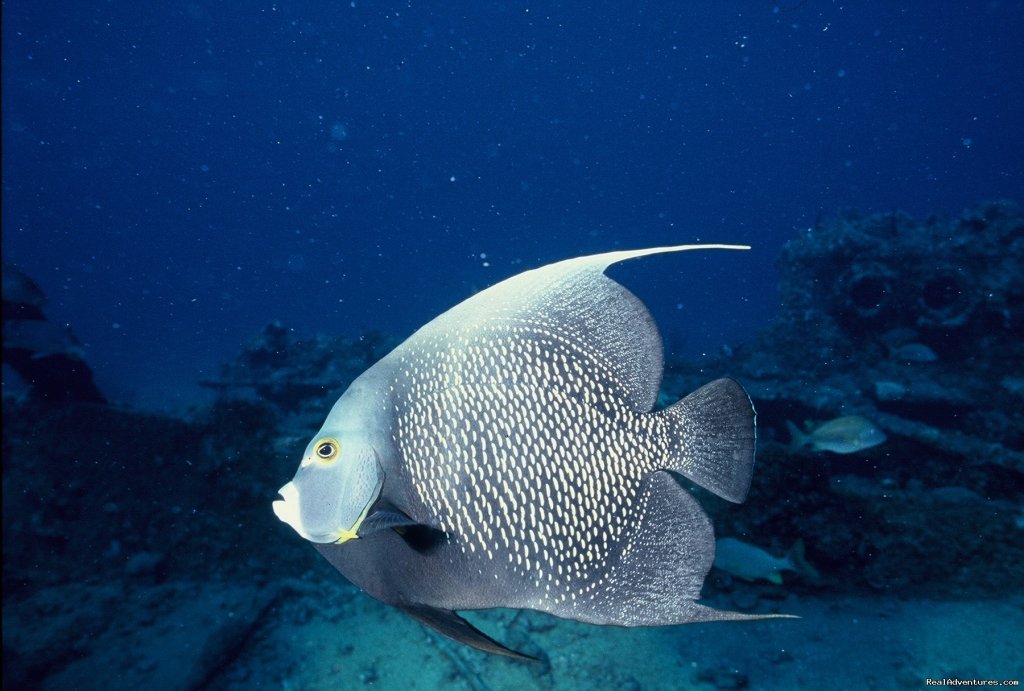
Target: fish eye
(327, 449)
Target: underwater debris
(971, 449)
(951, 421)
(943, 278)
(913, 324)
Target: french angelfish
(507, 455)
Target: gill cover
(333, 490)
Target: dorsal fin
(575, 299)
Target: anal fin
(453, 626)
(655, 579)
(421, 537)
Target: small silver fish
(508, 454)
(848, 434)
(752, 563)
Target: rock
(889, 391)
(143, 563)
(724, 677)
(197, 634)
(745, 598)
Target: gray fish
(847, 434)
(752, 563)
(507, 455)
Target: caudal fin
(711, 438)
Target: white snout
(287, 509)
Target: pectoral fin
(382, 520)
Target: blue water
(176, 175)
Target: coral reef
(918, 327)
(289, 373)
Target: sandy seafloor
(321, 633)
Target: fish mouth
(287, 509)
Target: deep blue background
(177, 175)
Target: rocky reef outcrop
(46, 356)
(917, 325)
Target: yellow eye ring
(327, 449)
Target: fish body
(847, 434)
(753, 563)
(507, 455)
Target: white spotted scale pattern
(517, 436)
